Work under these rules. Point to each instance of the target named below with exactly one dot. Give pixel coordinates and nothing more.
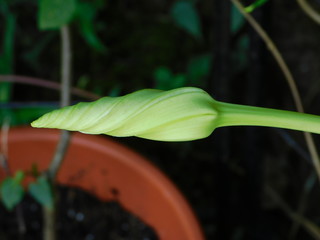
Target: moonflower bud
(181, 114)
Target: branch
(65, 101)
(308, 225)
(4, 146)
(47, 84)
(49, 215)
(305, 6)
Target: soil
(80, 216)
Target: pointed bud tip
(34, 124)
(37, 123)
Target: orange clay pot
(110, 171)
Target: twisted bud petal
(181, 114)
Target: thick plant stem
(240, 115)
(49, 215)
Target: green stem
(240, 115)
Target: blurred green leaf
(27, 115)
(179, 80)
(255, 5)
(86, 13)
(18, 177)
(34, 170)
(239, 55)
(83, 82)
(198, 69)
(12, 191)
(41, 191)
(185, 16)
(115, 91)
(163, 77)
(237, 20)
(31, 57)
(5, 91)
(88, 33)
(6, 58)
(5, 115)
(98, 90)
(165, 80)
(53, 14)
(20, 116)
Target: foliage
(11, 190)
(85, 14)
(237, 20)
(197, 71)
(42, 192)
(23, 115)
(7, 49)
(186, 17)
(166, 80)
(53, 14)
(255, 5)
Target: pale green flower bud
(181, 114)
(177, 115)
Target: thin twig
(303, 200)
(4, 146)
(49, 215)
(22, 228)
(291, 142)
(65, 101)
(49, 221)
(305, 6)
(65, 66)
(308, 185)
(309, 226)
(56, 162)
(47, 84)
(292, 85)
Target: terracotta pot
(111, 172)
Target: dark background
(227, 177)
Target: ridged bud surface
(181, 114)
